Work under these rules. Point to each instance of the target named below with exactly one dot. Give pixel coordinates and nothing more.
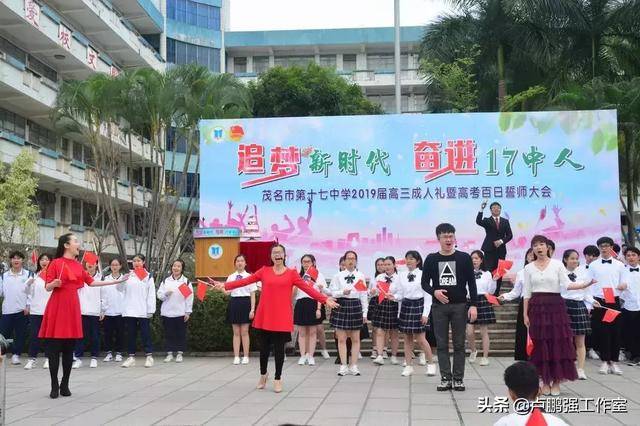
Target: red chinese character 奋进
(461, 158)
(285, 163)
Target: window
(293, 61)
(42, 136)
(41, 69)
(88, 157)
(260, 64)
(328, 61)
(181, 53)
(192, 53)
(176, 141)
(349, 62)
(12, 123)
(76, 211)
(214, 18)
(12, 50)
(194, 13)
(203, 57)
(192, 185)
(171, 9)
(47, 203)
(181, 10)
(78, 153)
(240, 65)
(90, 213)
(64, 207)
(385, 62)
(63, 146)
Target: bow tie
(350, 279)
(586, 266)
(572, 277)
(238, 277)
(634, 269)
(606, 261)
(478, 275)
(388, 280)
(411, 277)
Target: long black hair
(529, 251)
(480, 254)
(393, 259)
(566, 254)
(313, 261)
(64, 239)
(375, 266)
(416, 256)
(43, 255)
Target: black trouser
(113, 333)
(91, 332)
(278, 340)
(175, 334)
(456, 315)
(35, 344)
(133, 325)
(520, 352)
(607, 335)
(631, 332)
(55, 347)
(14, 323)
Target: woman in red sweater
(62, 322)
(274, 317)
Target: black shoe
(458, 385)
(64, 389)
(444, 385)
(54, 393)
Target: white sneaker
(622, 356)
(149, 362)
(118, 358)
(359, 355)
(422, 359)
(604, 368)
(379, 360)
(593, 354)
(472, 356)
(46, 364)
(431, 369)
(15, 360)
(484, 361)
(302, 360)
(179, 358)
(394, 360)
(77, 363)
(385, 355)
(245, 360)
(236, 360)
(169, 357)
(615, 369)
(108, 358)
(407, 371)
(30, 364)
(129, 362)
(374, 354)
(311, 361)
(325, 354)
(93, 363)
(353, 370)
(581, 374)
(343, 371)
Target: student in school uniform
(386, 318)
(138, 306)
(415, 305)
(175, 310)
(111, 306)
(323, 287)
(520, 349)
(590, 254)
(14, 286)
(608, 274)
(308, 313)
(576, 295)
(241, 310)
(373, 309)
(36, 303)
(484, 285)
(347, 320)
(631, 307)
(90, 307)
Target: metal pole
(396, 23)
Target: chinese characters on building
(64, 36)
(32, 12)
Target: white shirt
(631, 295)
(516, 291)
(395, 281)
(241, 291)
(110, 298)
(175, 304)
(583, 294)
(339, 284)
(402, 289)
(515, 419)
(14, 289)
(606, 275)
(139, 299)
(321, 279)
(90, 303)
(551, 280)
(38, 296)
(485, 284)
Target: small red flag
(383, 289)
(536, 418)
(185, 290)
(492, 299)
(609, 297)
(502, 268)
(610, 315)
(360, 286)
(313, 273)
(34, 257)
(140, 273)
(613, 253)
(201, 291)
(529, 345)
(90, 257)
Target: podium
(215, 249)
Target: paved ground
(211, 391)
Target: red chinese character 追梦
(285, 163)
(250, 159)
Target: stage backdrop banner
(379, 185)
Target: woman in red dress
(62, 321)
(274, 317)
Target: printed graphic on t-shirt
(447, 273)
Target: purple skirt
(553, 352)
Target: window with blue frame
(176, 141)
(179, 52)
(194, 13)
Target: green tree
(18, 212)
(311, 91)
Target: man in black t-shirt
(446, 275)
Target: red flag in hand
(610, 315)
(609, 297)
(140, 273)
(613, 253)
(201, 291)
(360, 286)
(90, 257)
(34, 257)
(313, 273)
(492, 299)
(529, 345)
(536, 418)
(383, 290)
(501, 270)
(185, 290)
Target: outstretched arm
(309, 212)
